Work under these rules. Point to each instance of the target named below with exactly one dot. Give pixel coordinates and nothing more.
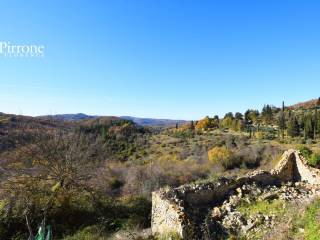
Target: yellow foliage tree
(218, 154)
(203, 124)
(227, 122)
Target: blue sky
(177, 59)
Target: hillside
(97, 174)
(306, 105)
(68, 117)
(137, 120)
(154, 121)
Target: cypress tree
(315, 126)
(293, 126)
(192, 125)
(308, 128)
(282, 123)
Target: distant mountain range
(139, 121)
(154, 121)
(69, 117)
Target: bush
(314, 160)
(260, 135)
(305, 151)
(223, 156)
(219, 154)
(169, 235)
(87, 233)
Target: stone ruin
(182, 210)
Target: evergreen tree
(229, 115)
(267, 114)
(192, 125)
(216, 121)
(308, 128)
(251, 116)
(282, 121)
(238, 116)
(316, 125)
(293, 126)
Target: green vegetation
(308, 223)
(313, 158)
(172, 236)
(305, 151)
(264, 207)
(88, 233)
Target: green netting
(44, 234)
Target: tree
(49, 171)
(293, 127)
(308, 128)
(282, 121)
(220, 155)
(203, 124)
(267, 114)
(215, 121)
(192, 125)
(315, 126)
(227, 122)
(238, 116)
(251, 116)
(229, 115)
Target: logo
(7, 49)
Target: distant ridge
(139, 121)
(69, 117)
(154, 121)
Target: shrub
(87, 233)
(314, 160)
(169, 235)
(260, 135)
(305, 151)
(219, 154)
(223, 156)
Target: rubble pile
(238, 222)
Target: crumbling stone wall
(179, 209)
(305, 172)
(167, 216)
(293, 167)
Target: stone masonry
(180, 210)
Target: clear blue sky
(166, 59)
